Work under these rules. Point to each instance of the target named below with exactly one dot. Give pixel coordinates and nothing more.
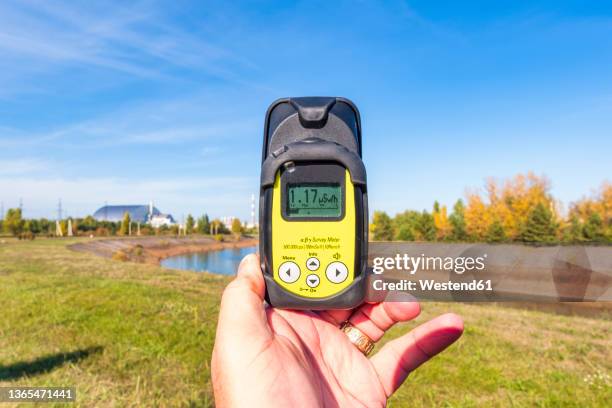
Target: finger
(401, 356)
(249, 273)
(374, 319)
(242, 311)
(335, 317)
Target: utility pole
(59, 209)
(21, 205)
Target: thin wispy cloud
(53, 43)
(94, 135)
(156, 122)
(22, 167)
(127, 37)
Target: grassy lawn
(138, 335)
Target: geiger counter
(313, 205)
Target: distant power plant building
(138, 213)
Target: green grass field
(129, 334)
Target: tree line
(520, 209)
(14, 224)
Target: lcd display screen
(314, 200)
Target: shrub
(120, 256)
(138, 250)
(26, 235)
(102, 232)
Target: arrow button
(336, 272)
(312, 280)
(312, 263)
(289, 272)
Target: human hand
(266, 357)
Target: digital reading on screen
(314, 200)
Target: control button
(312, 264)
(289, 272)
(312, 280)
(336, 272)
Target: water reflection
(223, 262)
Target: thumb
(249, 273)
(242, 310)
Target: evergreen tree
(405, 233)
(204, 224)
(594, 229)
(405, 225)
(45, 226)
(496, 232)
(540, 225)
(381, 228)
(125, 224)
(426, 227)
(35, 226)
(573, 232)
(457, 221)
(189, 224)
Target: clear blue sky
(165, 101)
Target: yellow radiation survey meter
(313, 205)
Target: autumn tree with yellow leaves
(505, 211)
(477, 218)
(518, 209)
(441, 222)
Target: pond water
(223, 262)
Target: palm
(282, 358)
(314, 360)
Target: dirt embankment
(154, 249)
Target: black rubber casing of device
(324, 130)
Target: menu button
(289, 272)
